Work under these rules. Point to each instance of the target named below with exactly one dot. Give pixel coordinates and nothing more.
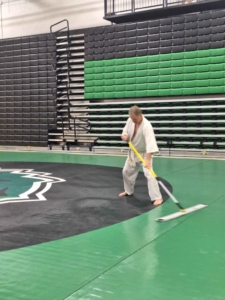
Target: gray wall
(29, 17)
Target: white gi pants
(130, 173)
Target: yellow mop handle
(153, 174)
(141, 158)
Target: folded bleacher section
(27, 85)
(172, 68)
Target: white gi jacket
(144, 140)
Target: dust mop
(183, 211)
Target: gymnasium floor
(130, 257)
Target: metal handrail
(112, 7)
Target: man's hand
(124, 137)
(148, 164)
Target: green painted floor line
(104, 160)
(186, 262)
(78, 260)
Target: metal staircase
(73, 126)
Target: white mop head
(180, 214)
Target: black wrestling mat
(41, 202)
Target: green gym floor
(137, 259)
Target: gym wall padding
(166, 57)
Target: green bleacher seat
(164, 92)
(202, 83)
(120, 75)
(98, 95)
(176, 92)
(109, 69)
(120, 61)
(109, 88)
(202, 68)
(108, 95)
(177, 56)
(88, 95)
(119, 68)
(98, 63)
(166, 71)
(189, 84)
(177, 77)
(89, 70)
(141, 59)
(153, 58)
(190, 54)
(218, 74)
(119, 88)
(164, 57)
(190, 62)
(165, 85)
(165, 64)
(177, 70)
(142, 93)
(153, 79)
(98, 89)
(142, 86)
(153, 72)
(152, 93)
(98, 76)
(130, 67)
(98, 83)
(108, 75)
(130, 94)
(204, 53)
(141, 73)
(203, 75)
(153, 65)
(131, 80)
(189, 69)
(142, 79)
(119, 95)
(108, 62)
(130, 74)
(217, 59)
(141, 66)
(119, 81)
(203, 61)
(217, 67)
(89, 64)
(163, 78)
(89, 89)
(189, 91)
(177, 63)
(130, 60)
(217, 82)
(152, 86)
(216, 89)
(176, 84)
(89, 83)
(99, 70)
(88, 77)
(110, 81)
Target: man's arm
(148, 159)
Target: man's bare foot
(123, 194)
(158, 202)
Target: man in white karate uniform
(139, 131)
